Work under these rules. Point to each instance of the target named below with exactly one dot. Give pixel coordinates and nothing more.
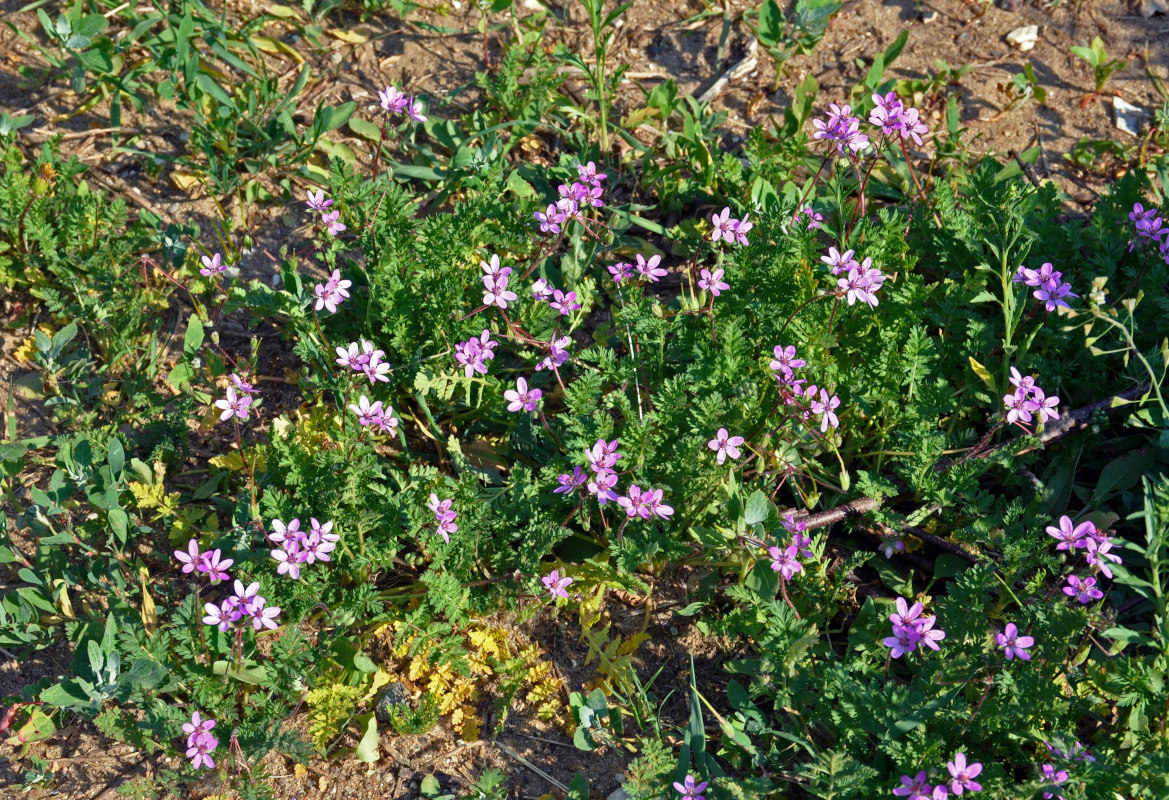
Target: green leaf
(365, 129)
(921, 714)
(115, 457)
(193, 339)
(256, 675)
(367, 748)
(758, 507)
(579, 788)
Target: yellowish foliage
(234, 461)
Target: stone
(618, 794)
(1128, 117)
(928, 16)
(394, 694)
(1024, 38)
(1151, 7)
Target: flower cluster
(1151, 228)
(841, 127)
(894, 118)
(586, 191)
(557, 353)
(962, 775)
(1028, 399)
(812, 399)
(556, 584)
(208, 562)
(362, 357)
(602, 484)
(855, 280)
(495, 281)
(1098, 546)
(444, 516)
(1048, 284)
(331, 293)
(246, 605)
(910, 629)
(1054, 775)
(689, 789)
(301, 547)
(729, 229)
(200, 742)
(374, 415)
(316, 202)
(395, 101)
(474, 353)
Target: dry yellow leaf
(322, 784)
(149, 612)
(299, 770)
(352, 37)
(184, 180)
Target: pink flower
(317, 202)
(564, 303)
(1069, 535)
(215, 568)
(191, 558)
(1015, 646)
(414, 110)
(213, 265)
(914, 787)
(713, 281)
(497, 293)
(725, 445)
(785, 561)
(650, 269)
(689, 789)
(199, 747)
(233, 405)
(621, 270)
(963, 774)
(522, 396)
(393, 100)
(332, 292)
(723, 226)
(556, 584)
(1082, 591)
(332, 222)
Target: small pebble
(929, 16)
(673, 630)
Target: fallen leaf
(184, 180)
(352, 37)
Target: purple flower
(317, 202)
(474, 353)
(785, 360)
(1014, 646)
(282, 532)
(241, 385)
(650, 269)
(393, 100)
(248, 598)
(219, 616)
(1071, 536)
(1055, 777)
(564, 303)
(233, 405)
(914, 787)
(197, 725)
(840, 263)
(911, 629)
(841, 127)
(522, 396)
(892, 545)
(1019, 407)
(814, 218)
(265, 617)
(861, 285)
(725, 445)
(367, 413)
(556, 584)
(332, 222)
(603, 455)
(213, 265)
(1045, 406)
(825, 407)
(785, 561)
(723, 226)
(1023, 382)
(332, 292)
(895, 118)
(713, 281)
(414, 110)
(963, 774)
(289, 559)
(742, 228)
(620, 270)
(603, 487)
(689, 789)
(557, 353)
(1082, 591)
(497, 293)
(199, 748)
(191, 558)
(214, 566)
(550, 219)
(588, 173)
(541, 291)
(1098, 556)
(444, 515)
(635, 502)
(568, 482)
(906, 614)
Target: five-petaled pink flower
(689, 789)
(333, 224)
(556, 584)
(213, 265)
(317, 201)
(233, 405)
(725, 445)
(332, 292)
(785, 561)
(522, 396)
(1013, 645)
(1082, 591)
(650, 269)
(963, 774)
(723, 226)
(713, 281)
